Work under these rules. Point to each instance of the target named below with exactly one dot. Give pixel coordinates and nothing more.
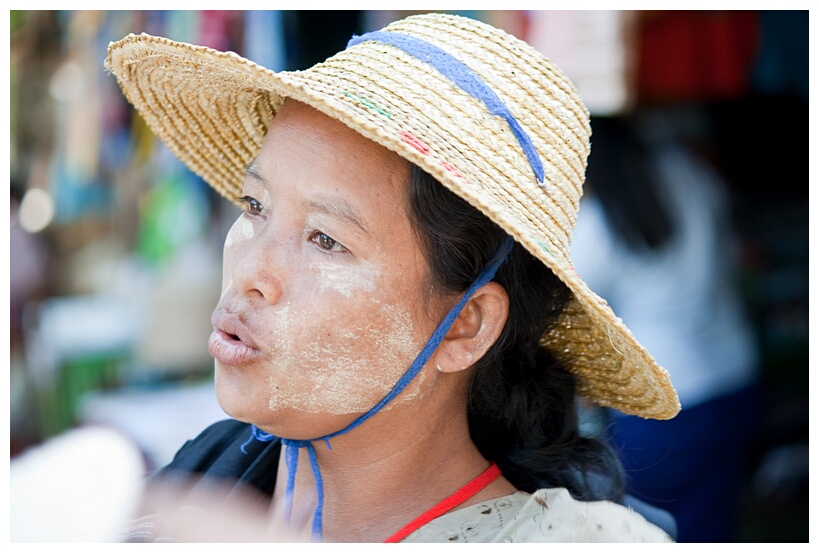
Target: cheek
(241, 231)
(335, 278)
(237, 238)
(345, 366)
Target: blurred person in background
(654, 238)
(28, 270)
(29, 260)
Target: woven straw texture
(212, 109)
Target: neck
(384, 474)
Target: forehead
(314, 159)
(329, 142)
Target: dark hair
(622, 175)
(522, 406)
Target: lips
(231, 343)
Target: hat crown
(479, 100)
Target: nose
(256, 269)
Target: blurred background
(115, 247)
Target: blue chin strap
(292, 446)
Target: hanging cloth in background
(264, 39)
(596, 49)
(75, 87)
(697, 56)
(214, 30)
(181, 25)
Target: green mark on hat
(544, 247)
(367, 104)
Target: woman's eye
(252, 205)
(326, 243)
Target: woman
(399, 315)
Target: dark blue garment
(217, 454)
(692, 465)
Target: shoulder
(201, 452)
(549, 515)
(225, 450)
(553, 515)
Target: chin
(245, 399)
(237, 397)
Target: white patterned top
(549, 515)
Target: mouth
(231, 343)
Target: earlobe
(476, 329)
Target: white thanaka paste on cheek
(265, 198)
(227, 286)
(241, 230)
(345, 279)
(337, 377)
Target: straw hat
(481, 111)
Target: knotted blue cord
(293, 446)
(460, 74)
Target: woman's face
(324, 297)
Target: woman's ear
(475, 330)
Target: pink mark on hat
(414, 142)
(452, 169)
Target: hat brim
(213, 109)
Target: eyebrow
(336, 208)
(253, 171)
(339, 208)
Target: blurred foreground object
(81, 486)
(210, 510)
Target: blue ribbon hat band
(466, 79)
